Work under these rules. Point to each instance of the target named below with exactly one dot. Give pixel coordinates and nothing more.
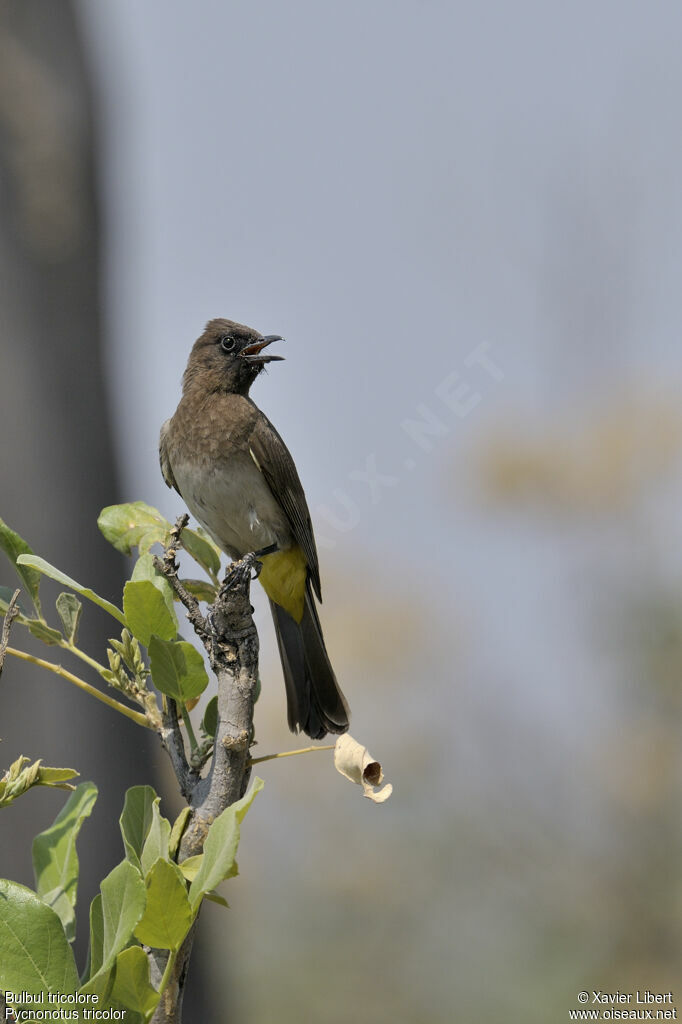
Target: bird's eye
(227, 343)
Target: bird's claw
(254, 563)
(241, 570)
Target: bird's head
(228, 357)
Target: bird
(238, 479)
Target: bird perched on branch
(236, 475)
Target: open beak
(252, 353)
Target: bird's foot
(220, 615)
(246, 564)
(239, 572)
(252, 562)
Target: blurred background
(466, 221)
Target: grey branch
(10, 616)
(231, 641)
(169, 567)
(171, 737)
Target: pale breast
(232, 501)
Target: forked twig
(10, 616)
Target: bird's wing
(272, 458)
(164, 459)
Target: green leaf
(215, 897)
(55, 861)
(22, 775)
(209, 722)
(56, 574)
(57, 777)
(201, 532)
(123, 903)
(201, 550)
(13, 545)
(177, 669)
(136, 820)
(69, 609)
(179, 826)
(133, 524)
(156, 843)
(132, 986)
(201, 589)
(100, 984)
(41, 631)
(147, 613)
(34, 954)
(129, 649)
(18, 778)
(96, 935)
(220, 847)
(168, 915)
(190, 866)
(146, 570)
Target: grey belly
(233, 502)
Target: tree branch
(231, 641)
(291, 753)
(10, 616)
(171, 737)
(169, 567)
(134, 716)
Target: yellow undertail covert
(283, 579)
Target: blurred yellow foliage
(596, 462)
(637, 764)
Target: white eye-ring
(227, 343)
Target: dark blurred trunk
(56, 458)
(57, 466)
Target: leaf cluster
(147, 901)
(22, 776)
(149, 644)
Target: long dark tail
(315, 703)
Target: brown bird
(235, 474)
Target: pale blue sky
(391, 184)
